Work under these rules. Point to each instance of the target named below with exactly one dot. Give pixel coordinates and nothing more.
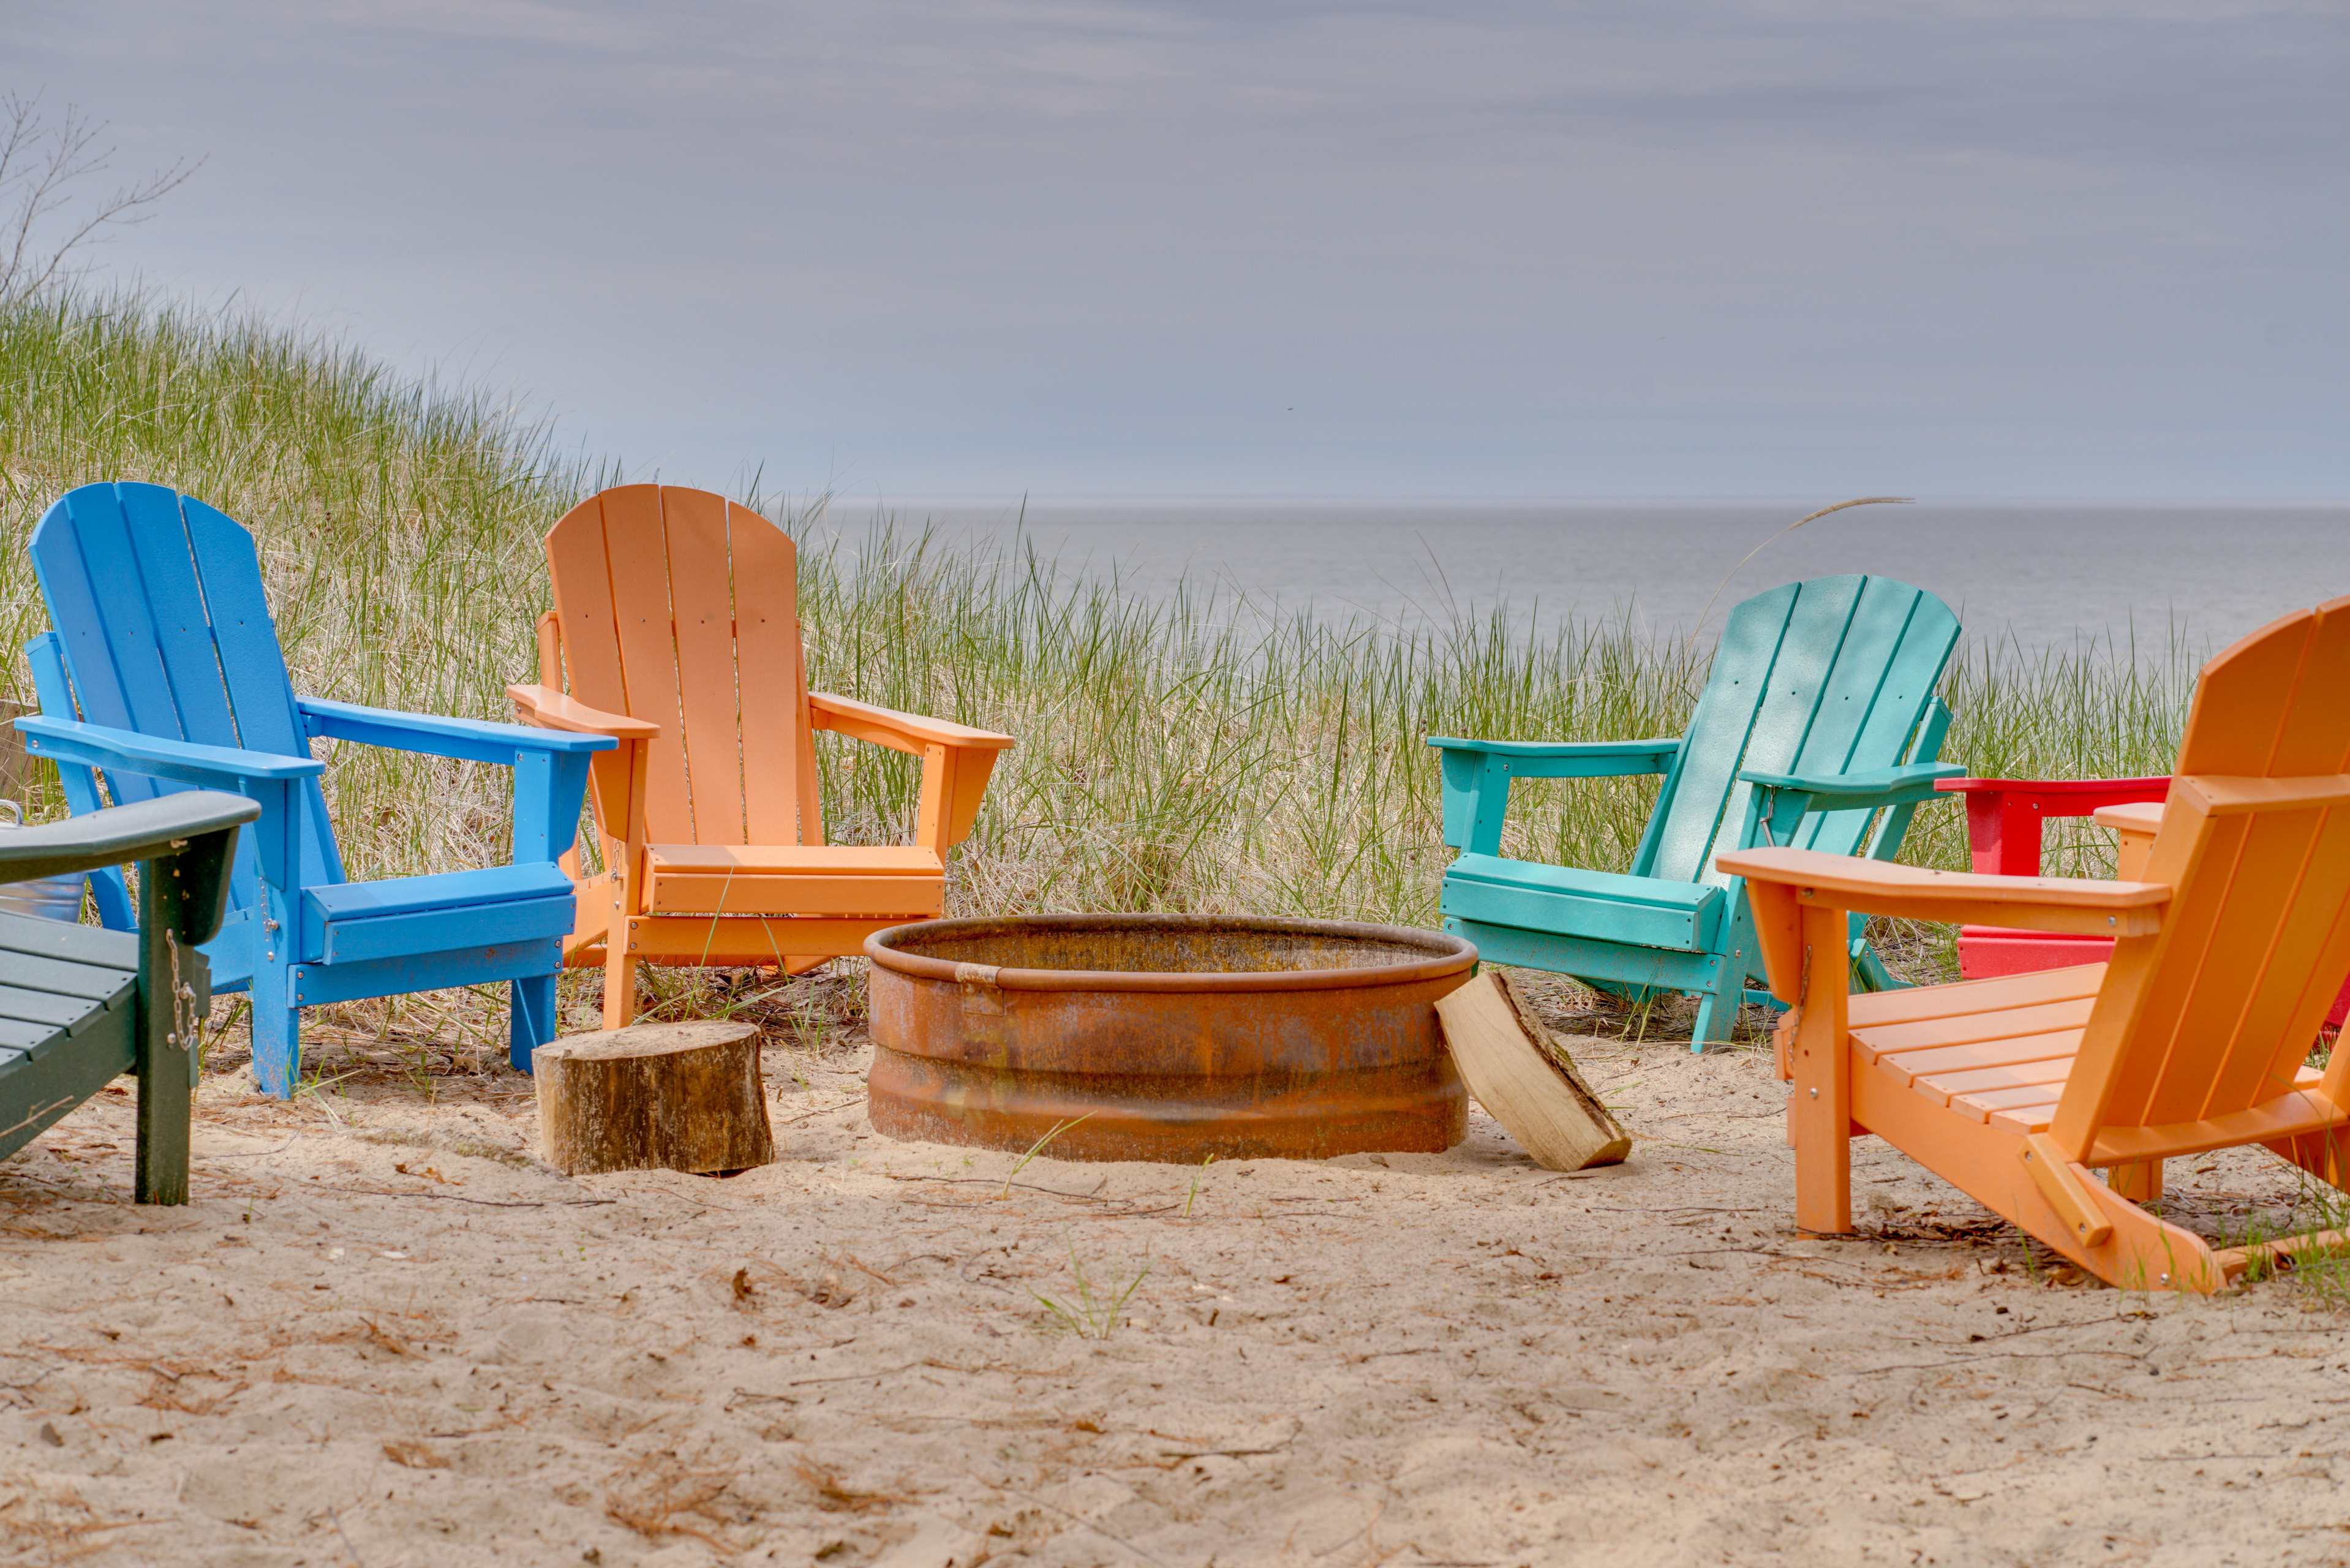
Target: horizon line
(1034, 500)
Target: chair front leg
(276, 1021)
(167, 1026)
(628, 898)
(1819, 1116)
(530, 1018)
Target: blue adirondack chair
(164, 673)
(1819, 714)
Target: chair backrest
(1832, 675)
(2215, 1011)
(163, 629)
(679, 607)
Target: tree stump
(653, 1096)
(1525, 1078)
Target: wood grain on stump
(653, 1096)
(1525, 1078)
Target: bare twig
(41, 166)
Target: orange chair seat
(795, 879)
(1998, 1049)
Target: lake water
(2041, 573)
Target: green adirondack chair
(80, 1005)
(1820, 713)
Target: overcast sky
(1637, 248)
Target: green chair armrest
(120, 833)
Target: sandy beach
(385, 1335)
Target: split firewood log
(1525, 1078)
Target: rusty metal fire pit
(1175, 1036)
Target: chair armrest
(956, 761)
(472, 739)
(2081, 904)
(1477, 774)
(2135, 826)
(2137, 816)
(1569, 759)
(99, 746)
(1792, 796)
(2004, 815)
(1780, 883)
(2220, 795)
(898, 731)
(1849, 792)
(550, 710)
(2063, 798)
(120, 833)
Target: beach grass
(1201, 753)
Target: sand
(384, 1334)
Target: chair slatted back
(166, 630)
(679, 606)
(2215, 1013)
(1832, 675)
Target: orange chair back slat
(2214, 1012)
(678, 606)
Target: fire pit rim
(1448, 954)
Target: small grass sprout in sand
(1091, 1314)
(1038, 1148)
(1194, 1193)
(2322, 1273)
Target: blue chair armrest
(1793, 796)
(1477, 776)
(471, 739)
(98, 746)
(550, 765)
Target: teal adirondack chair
(164, 672)
(1820, 711)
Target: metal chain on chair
(183, 1033)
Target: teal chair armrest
(1477, 775)
(1783, 800)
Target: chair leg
(2140, 1183)
(620, 977)
(167, 1060)
(1869, 970)
(2325, 1155)
(1717, 1020)
(277, 1038)
(530, 1018)
(1820, 1113)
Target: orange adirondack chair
(2004, 817)
(2231, 934)
(676, 619)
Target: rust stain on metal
(1176, 1036)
